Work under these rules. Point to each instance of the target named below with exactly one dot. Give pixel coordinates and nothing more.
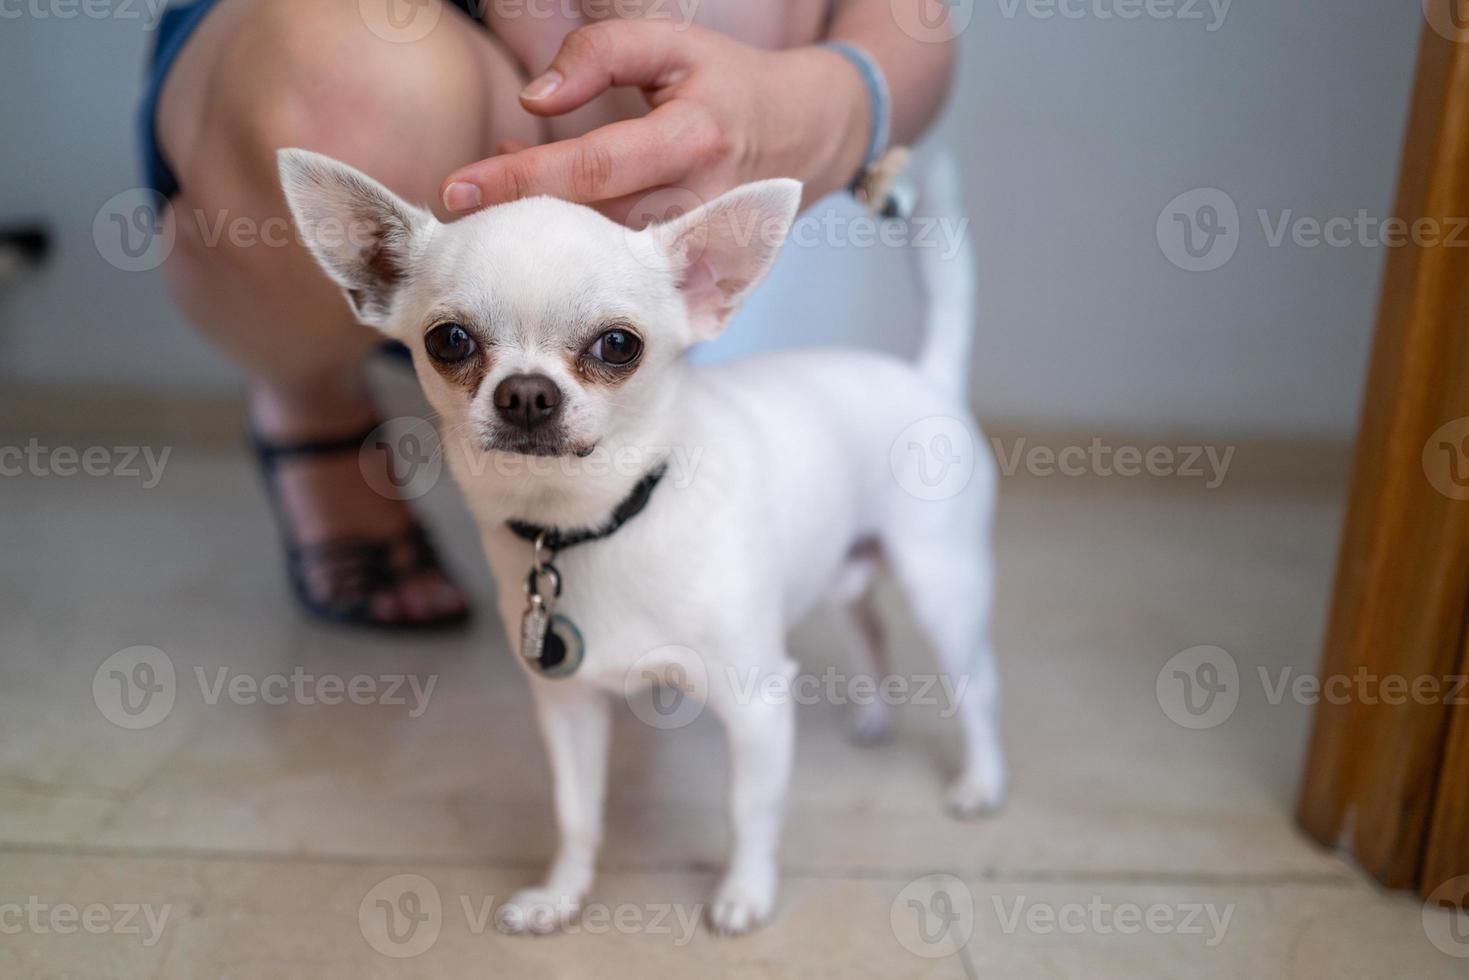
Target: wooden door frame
(1387, 777)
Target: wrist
(827, 118)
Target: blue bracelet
(879, 102)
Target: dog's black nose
(527, 401)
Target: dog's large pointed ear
(721, 250)
(362, 234)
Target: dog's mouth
(542, 446)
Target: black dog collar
(555, 539)
(550, 643)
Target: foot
(743, 902)
(327, 497)
(537, 912)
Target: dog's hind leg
(871, 722)
(952, 596)
(868, 723)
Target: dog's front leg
(574, 722)
(760, 733)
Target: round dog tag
(563, 650)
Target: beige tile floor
(261, 838)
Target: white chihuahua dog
(551, 342)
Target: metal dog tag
(542, 586)
(550, 643)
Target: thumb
(650, 54)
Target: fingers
(647, 53)
(619, 159)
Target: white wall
(1073, 132)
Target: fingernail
(459, 196)
(543, 86)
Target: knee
(318, 76)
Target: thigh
(258, 71)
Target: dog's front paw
(977, 793)
(537, 911)
(744, 902)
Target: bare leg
(263, 74)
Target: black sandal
(355, 568)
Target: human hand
(723, 113)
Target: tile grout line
(1124, 877)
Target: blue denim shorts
(174, 29)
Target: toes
(448, 600)
(422, 599)
(431, 596)
(536, 912)
(742, 904)
(385, 607)
(975, 794)
(415, 601)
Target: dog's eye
(449, 343)
(616, 347)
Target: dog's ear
(362, 234)
(721, 250)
